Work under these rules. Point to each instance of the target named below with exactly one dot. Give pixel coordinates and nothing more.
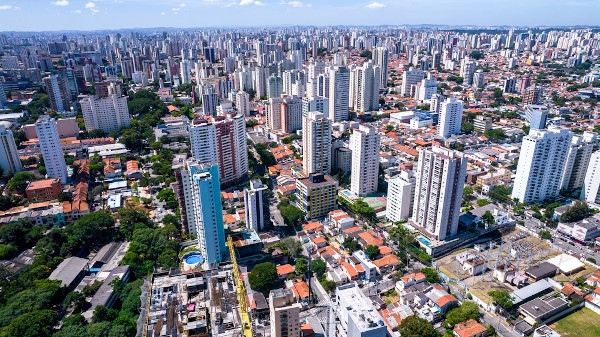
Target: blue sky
(39, 15)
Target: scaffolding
(241, 292)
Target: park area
(581, 323)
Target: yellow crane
(241, 292)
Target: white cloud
(60, 3)
(376, 5)
(77, 11)
(182, 5)
(175, 9)
(297, 4)
(163, 13)
(90, 5)
(251, 2)
(9, 7)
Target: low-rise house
(43, 190)
(284, 270)
(469, 328)
(475, 266)
(410, 279)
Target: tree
(263, 277)
(19, 181)
(502, 298)
(545, 235)
(500, 193)
(577, 212)
(91, 289)
(468, 310)
(488, 218)
(10, 201)
(413, 326)
(495, 134)
(291, 215)
(350, 244)
(292, 246)
(372, 251)
(482, 202)
(476, 55)
(301, 266)
(37, 323)
(318, 267)
(467, 128)
(76, 300)
(431, 275)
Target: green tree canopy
(318, 267)
(372, 251)
(468, 310)
(263, 277)
(431, 275)
(413, 326)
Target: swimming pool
(193, 258)
(425, 242)
(347, 193)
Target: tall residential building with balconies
(364, 87)
(316, 143)
(578, 160)
(467, 70)
(365, 146)
(537, 116)
(542, 164)
(450, 118)
(204, 201)
(108, 113)
(317, 195)
(410, 79)
(591, 187)
(221, 140)
(401, 196)
(58, 93)
(439, 187)
(52, 151)
(9, 156)
(284, 114)
(339, 85)
(381, 58)
(253, 202)
(284, 313)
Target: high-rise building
(58, 93)
(185, 71)
(450, 118)
(207, 210)
(284, 114)
(467, 70)
(537, 116)
(427, 88)
(108, 113)
(339, 85)
(436, 103)
(541, 164)
(578, 160)
(509, 85)
(317, 195)
(532, 95)
(9, 156)
(221, 140)
(365, 146)
(410, 79)
(354, 314)
(253, 202)
(52, 151)
(479, 79)
(274, 86)
(439, 187)
(2, 96)
(284, 313)
(316, 143)
(316, 103)
(364, 87)
(401, 196)
(381, 58)
(242, 103)
(482, 123)
(210, 100)
(591, 187)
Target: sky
(50, 15)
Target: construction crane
(241, 292)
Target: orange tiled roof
(285, 269)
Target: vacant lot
(581, 323)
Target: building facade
(108, 113)
(365, 147)
(317, 195)
(51, 147)
(439, 187)
(316, 143)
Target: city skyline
(117, 14)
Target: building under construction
(194, 304)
